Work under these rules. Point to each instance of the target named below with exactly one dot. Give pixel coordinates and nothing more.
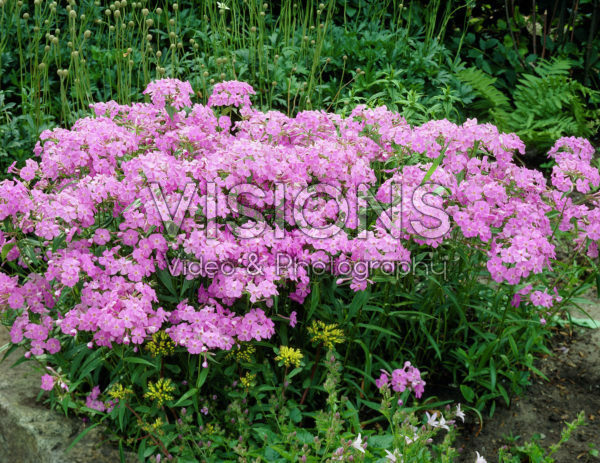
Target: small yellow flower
(243, 353)
(160, 392)
(210, 429)
(161, 344)
(248, 380)
(119, 392)
(328, 334)
(154, 427)
(289, 356)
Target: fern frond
(555, 67)
(483, 85)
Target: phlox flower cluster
(93, 402)
(169, 91)
(231, 93)
(98, 245)
(572, 169)
(401, 379)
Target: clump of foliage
(215, 267)
(545, 105)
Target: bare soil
(573, 371)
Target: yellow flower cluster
(161, 344)
(248, 379)
(119, 392)
(154, 427)
(242, 353)
(160, 392)
(210, 429)
(328, 334)
(289, 356)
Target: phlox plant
(99, 232)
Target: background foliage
(454, 60)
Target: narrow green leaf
(81, 435)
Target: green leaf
(167, 280)
(436, 162)
(140, 361)
(170, 110)
(6, 249)
(584, 322)
(369, 326)
(467, 392)
(314, 299)
(185, 396)
(201, 377)
(122, 411)
(295, 415)
(492, 375)
(5, 347)
(80, 436)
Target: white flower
(480, 459)
(394, 456)
(443, 423)
(459, 413)
(357, 444)
(415, 436)
(222, 6)
(390, 456)
(431, 421)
